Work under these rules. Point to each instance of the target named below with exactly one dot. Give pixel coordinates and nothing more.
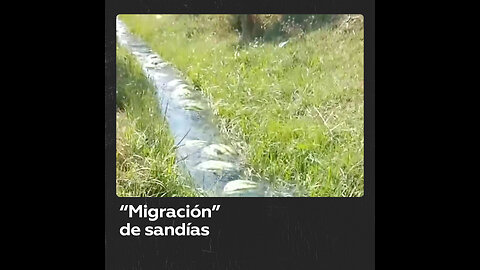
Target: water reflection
(211, 162)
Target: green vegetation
(296, 110)
(145, 150)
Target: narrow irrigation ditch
(212, 163)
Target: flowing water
(212, 163)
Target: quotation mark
(124, 207)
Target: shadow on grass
(297, 25)
(293, 25)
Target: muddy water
(212, 163)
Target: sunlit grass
(145, 159)
(296, 112)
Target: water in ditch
(212, 163)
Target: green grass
(145, 156)
(295, 112)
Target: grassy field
(145, 156)
(295, 111)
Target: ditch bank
(212, 163)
